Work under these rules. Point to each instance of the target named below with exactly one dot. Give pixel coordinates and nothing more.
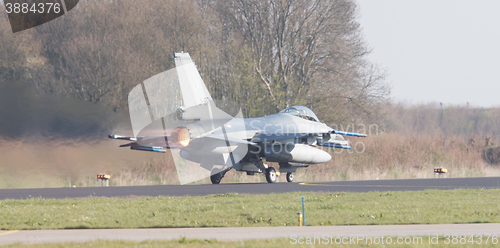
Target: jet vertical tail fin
(193, 89)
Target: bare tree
(275, 53)
(300, 48)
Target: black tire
(216, 178)
(271, 176)
(289, 177)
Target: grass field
(233, 210)
(187, 243)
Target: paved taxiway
(255, 188)
(243, 233)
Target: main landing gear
(270, 173)
(271, 176)
(217, 177)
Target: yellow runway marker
(381, 186)
(9, 232)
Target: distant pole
(303, 213)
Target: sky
(436, 50)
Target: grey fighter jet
(173, 112)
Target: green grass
(233, 210)
(193, 243)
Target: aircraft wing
(228, 138)
(325, 136)
(266, 137)
(145, 143)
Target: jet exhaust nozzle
(180, 137)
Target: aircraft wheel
(271, 176)
(289, 177)
(216, 178)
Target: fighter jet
(173, 111)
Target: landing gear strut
(271, 176)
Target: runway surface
(245, 233)
(255, 188)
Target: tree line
(267, 55)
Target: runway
(255, 188)
(345, 233)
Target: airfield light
(439, 171)
(103, 178)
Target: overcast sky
(436, 50)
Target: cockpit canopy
(302, 112)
